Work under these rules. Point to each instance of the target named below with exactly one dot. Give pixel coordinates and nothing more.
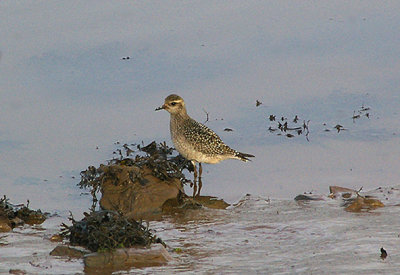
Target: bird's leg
(195, 179)
(200, 183)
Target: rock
(17, 272)
(69, 251)
(56, 238)
(383, 253)
(211, 202)
(145, 186)
(140, 198)
(125, 258)
(364, 204)
(310, 197)
(179, 206)
(16, 222)
(353, 201)
(337, 191)
(186, 203)
(5, 225)
(31, 217)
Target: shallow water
(256, 235)
(67, 95)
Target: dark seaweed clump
(282, 126)
(159, 158)
(108, 230)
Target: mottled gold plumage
(195, 141)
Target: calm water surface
(68, 93)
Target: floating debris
(207, 116)
(285, 129)
(339, 128)
(383, 253)
(362, 111)
(355, 116)
(289, 128)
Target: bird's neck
(180, 116)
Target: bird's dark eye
(173, 103)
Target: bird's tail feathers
(244, 156)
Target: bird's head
(174, 104)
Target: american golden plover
(195, 141)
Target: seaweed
(108, 230)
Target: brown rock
(5, 225)
(69, 251)
(29, 216)
(17, 272)
(125, 258)
(211, 202)
(364, 204)
(56, 238)
(343, 192)
(136, 192)
(17, 222)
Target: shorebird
(195, 141)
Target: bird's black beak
(160, 108)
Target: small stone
(5, 225)
(364, 204)
(302, 197)
(383, 253)
(337, 191)
(17, 272)
(56, 238)
(124, 258)
(31, 217)
(69, 251)
(17, 222)
(211, 202)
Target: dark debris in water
(108, 230)
(288, 128)
(363, 111)
(383, 253)
(302, 197)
